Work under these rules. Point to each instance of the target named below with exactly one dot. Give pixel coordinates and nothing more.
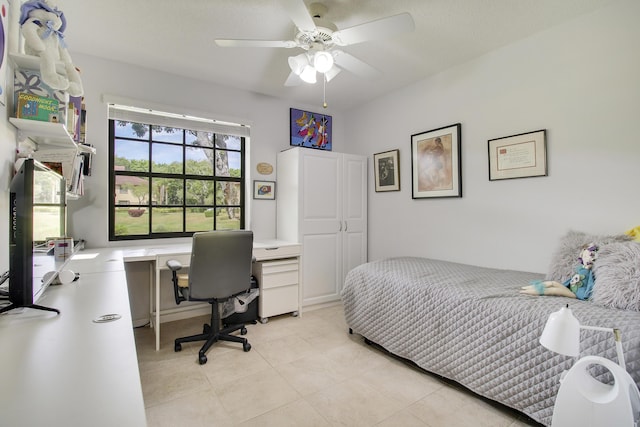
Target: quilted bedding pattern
(470, 324)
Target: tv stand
(34, 306)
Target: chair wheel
(202, 359)
(243, 331)
(177, 347)
(246, 346)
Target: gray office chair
(220, 269)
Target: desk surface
(134, 254)
(67, 370)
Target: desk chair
(220, 269)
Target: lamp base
(584, 401)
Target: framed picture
(518, 156)
(386, 168)
(436, 164)
(311, 130)
(264, 190)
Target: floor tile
(301, 371)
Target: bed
(471, 325)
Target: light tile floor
(301, 371)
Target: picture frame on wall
(436, 163)
(386, 168)
(265, 190)
(518, 156)
(310, 130)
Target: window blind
(159, 118)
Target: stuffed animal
(579, 285)
(43, 25)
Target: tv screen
(36, 194)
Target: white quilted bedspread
(470, 324)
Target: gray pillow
(566, 255)
(617, 276)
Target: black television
(37, 195)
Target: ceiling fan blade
(299, 14)
(256, 43)
(354, 65)
(293, 80)
(380, 28)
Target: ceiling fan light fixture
(308, 74)
(322, 61)
(298, 63)
(333, 71)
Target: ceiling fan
(320, 40)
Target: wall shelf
(47, 135)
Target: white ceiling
(178, 37)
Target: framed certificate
(518, 156)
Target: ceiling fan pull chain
(324, 91)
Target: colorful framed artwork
(436, 163)
(311, 130)
(386, 168)
(518, 156)
(265, 190)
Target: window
(169, 181)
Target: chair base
(211, 333)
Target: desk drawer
(184, 259)
(278, 300)
(276, 252)
(273, 274)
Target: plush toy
(580, 285)
(42, 25)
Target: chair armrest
(174, 265)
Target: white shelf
(43, 133)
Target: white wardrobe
(322, 204)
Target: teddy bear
(42, 25)
(579, 285)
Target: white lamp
(308, 74)
(298, 62)
(322, 61)
(582, 400)
(333, 71)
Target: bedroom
(577, 80)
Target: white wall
(580, 82)
(267, 116)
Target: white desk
(66, 370)
(262, 250)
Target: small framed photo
(436, 164)
(265, 190)
(386, 168)
(310, 130)
(518, 156)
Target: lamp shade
(561, 333)
(322, 61)
(298, 62)
(308, 74)
(332, 73)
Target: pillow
(566, 255)
(617, 276)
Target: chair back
(220, 264)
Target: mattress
(470, 324)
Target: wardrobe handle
(340, 226)
(345, 226)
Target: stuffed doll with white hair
(42, 25)
(579, 285)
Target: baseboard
(322, 305)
